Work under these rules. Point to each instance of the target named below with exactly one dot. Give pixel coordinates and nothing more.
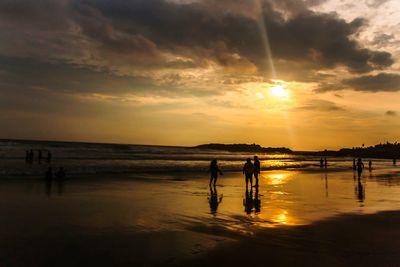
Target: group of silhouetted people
(249, 170)
(30, 156)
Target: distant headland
(255, 148)
(386, 150)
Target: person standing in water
(354, 165)
(257, 169)
(248, 170)
(321, 162)
(370, 165)
(326, 163)
(214, 171)
(360, 167)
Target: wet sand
(309, 219)
(348, 240)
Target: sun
(279, 91)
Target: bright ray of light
(264, 36)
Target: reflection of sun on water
(277, 178)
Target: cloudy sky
(305, 74)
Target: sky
(303, 74)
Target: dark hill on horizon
(387, 150)
(245, 148)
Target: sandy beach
(312, 218)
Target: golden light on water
(277, 178)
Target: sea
(95, 158)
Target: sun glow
(279, 91)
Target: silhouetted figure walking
(257, 168)
(360, 167)
(370, 165)
(48, 156)
(394, 162)
(214, 170)
(354, 165)
(326, 163)
(321, 162)
(31, 156)
(40, 156)
(248, 170)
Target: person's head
(255, 158)
(248, 160)
(214, 162)
(359, 159)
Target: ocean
(94, 158)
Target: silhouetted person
(354, 165)
(48, 156)
(49, 174)
(394, 161)
(257, 168)
(214, 200)
(60, 174)
(40, 156)
(248, 201)
(248, 170)
(360, 167)
(370, 165)
(326, 163)
(321, 162)
(257, 201)
(214, 171)
(31, 155)
(26, 155)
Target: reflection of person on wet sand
(48, 180)
(248, 202)
(214, 170)
(360, 191)
(360, 166)
(257, 201)
(257, 168)
(214, 200)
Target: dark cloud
(142, 33)
(391, 113)
(382, 82)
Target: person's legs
(256, 178)
(215, 180)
